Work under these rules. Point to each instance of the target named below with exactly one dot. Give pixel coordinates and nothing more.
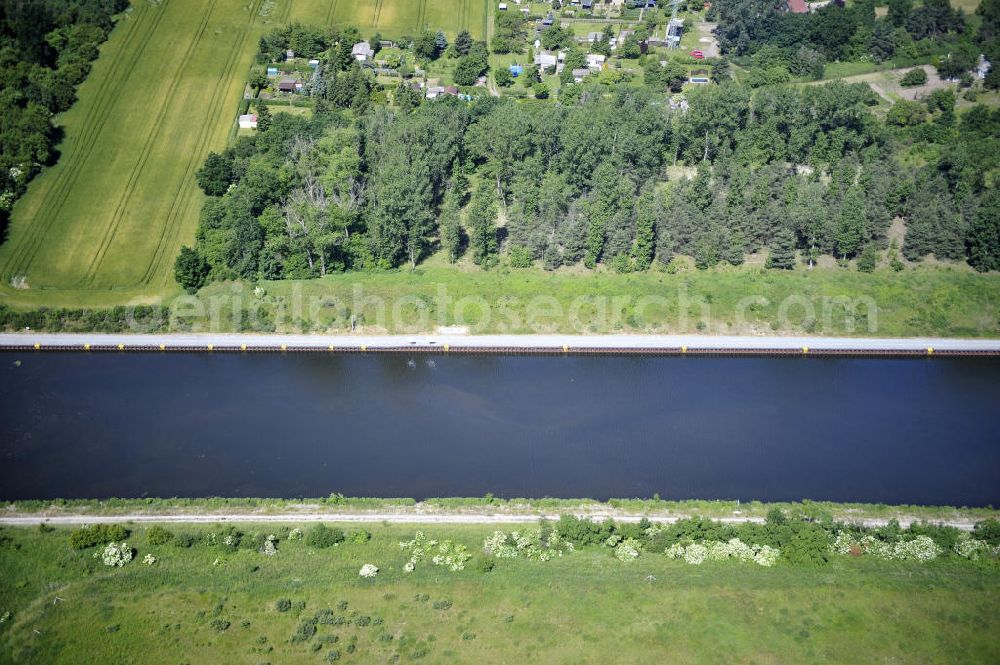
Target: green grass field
(586, 607)
(924, 301)
(104, 225)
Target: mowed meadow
(201, 604)
(104, 225)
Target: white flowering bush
(921, 548)
(627, 550)
(717, 550)
(497, 545)
(408, 568)
(451, 555)
(149, 559)
(270, 547)
(115, 554)
(970, 548)
(765, 555)
(418, 548)
(695, 554)
(732, 549)
(368, 571)
(843, 543)
(528, 544)
(295, 534)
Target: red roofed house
(798, 6)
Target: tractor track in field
(331, 12)
(93, 127)
(463, 15)
(421, 15)
(287, 12)
(378, 13)
(216, 109)
(155, 132)
(185, 190)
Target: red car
(697, 55)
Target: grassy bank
(924, 301)
(201, 604)
(490, 505)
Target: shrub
(332, 656)
(89, 536)
(115, 554)
(157, 535)
(305, 631)
(442, 604)
(220, 625)
(362, 620)
(868, 259)
(914, 77)
(283, 605)
(322, 536)
(484, 564)
(809, 545)
(185, 540)
(361, 536)
(520, 257)
(988, 531)
(229, 538)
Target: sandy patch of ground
(886, 83)
(707, 42)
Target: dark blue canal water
(899, 431)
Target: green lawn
(923, 301)
(586, 607)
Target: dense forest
(791, 168)
(607, 174)
(785, 44)
(46, 48)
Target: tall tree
(983, 243)
(450, 225)
(782, 254)
(482, 223)
(851, 226)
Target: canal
(77, 425)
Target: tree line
(784, 44)
(362, 186)
(46, 47)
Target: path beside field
(392, 517)
(497, 343)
